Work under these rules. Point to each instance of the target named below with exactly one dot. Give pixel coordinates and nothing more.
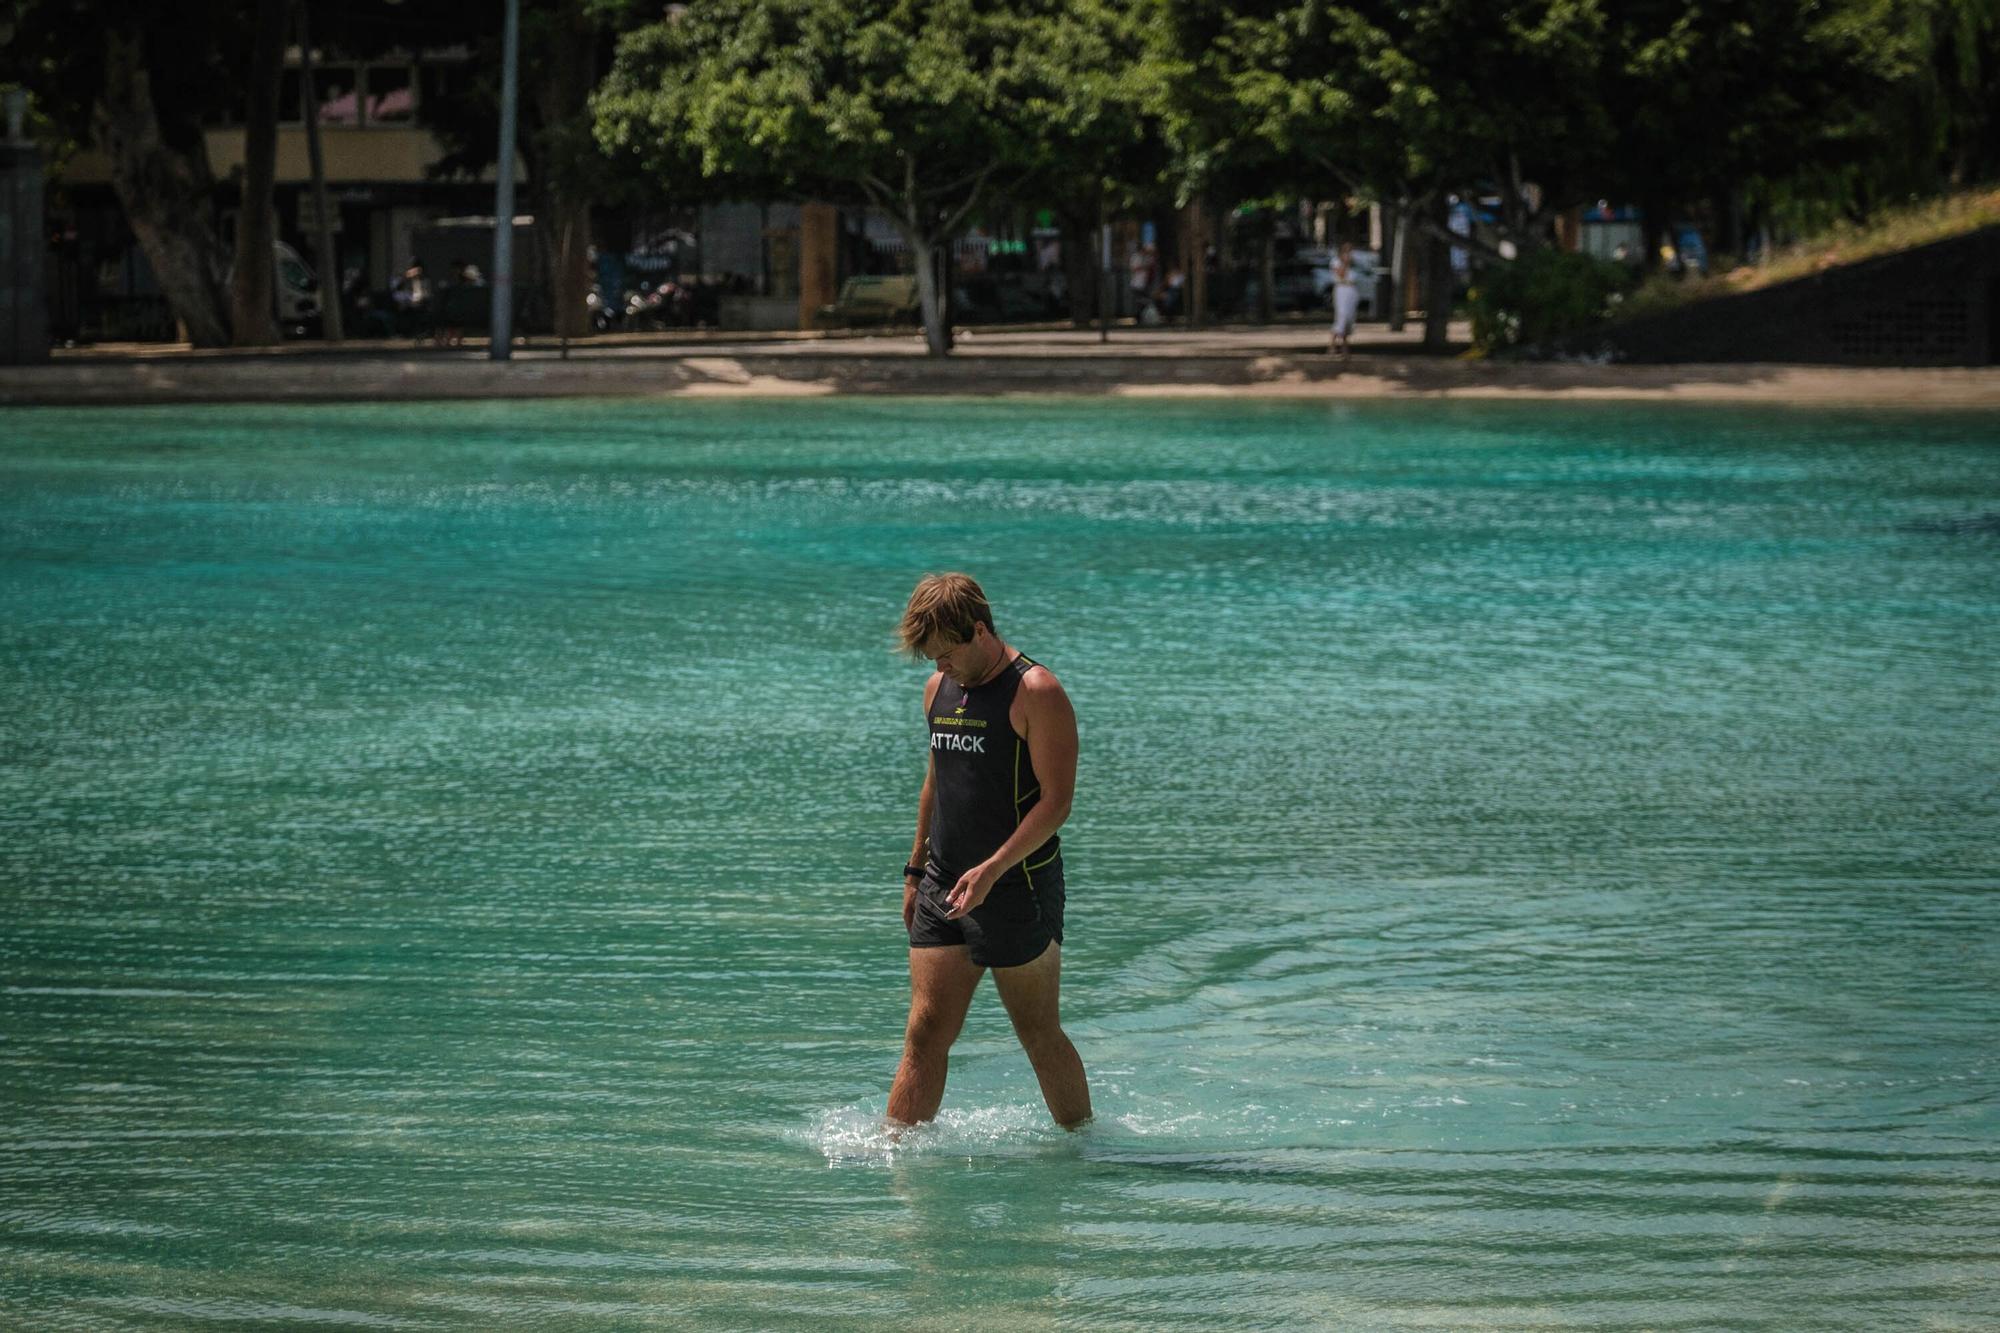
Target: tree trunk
(1100, 267)
(1437, 283)
(1197, 277)
(1399, 264)
(569, 262)
(1569, 230)
(1653, 210)
(923, 251)
(947, 267)
(1079, 256)
(1267, 267)
(1513, 209)
(332, 279)
(1728, 207)
(251, 299)
(167, 195)
(564, 71)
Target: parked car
(985, 298)
(1293, 286)
(882, 298)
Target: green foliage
(1092, 100)
(1543, 296)
(1390, 100)
(1708, 99)
(59, 143)
(1790, 105)
(921, 109)
(879, 102)
(1788, 113)
(196, 52)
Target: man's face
(964, 660)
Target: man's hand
(909, 903)
(970, 891)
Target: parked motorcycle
(655, 307)
(604, 315)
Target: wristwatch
(917, 871)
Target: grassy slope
(1898, 229)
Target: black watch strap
(917, 871)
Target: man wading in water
(984, 887)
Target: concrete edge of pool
(226, 377)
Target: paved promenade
(1284, 360)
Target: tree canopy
(1775, 111)
(922, 110)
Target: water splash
(860, 1136)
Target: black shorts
(1015, 925)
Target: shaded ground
(1285, 360)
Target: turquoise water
(1533, 867)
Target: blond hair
(943, 606)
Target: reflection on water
(1530, 869)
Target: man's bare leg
(942, 982)
(1032, 993)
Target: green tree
(1402, 103)
(138, 81)
(918, 109)
(251, 280)
(1097, 149)
(1206, 94)
(1960, 87)
(1916, 114)
(1713, 95)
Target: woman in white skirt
(1346, 300)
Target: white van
(294, 290)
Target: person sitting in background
(411, 297)
(1172, 292)
(412, 291)
(1144, 269)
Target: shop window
(390, 95)
(338, 102)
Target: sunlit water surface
(1533, 867)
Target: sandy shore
(1280, 362)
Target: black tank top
(985, 782)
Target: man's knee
(1042, 1040)
(931, 1031)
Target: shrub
(1544, 296)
